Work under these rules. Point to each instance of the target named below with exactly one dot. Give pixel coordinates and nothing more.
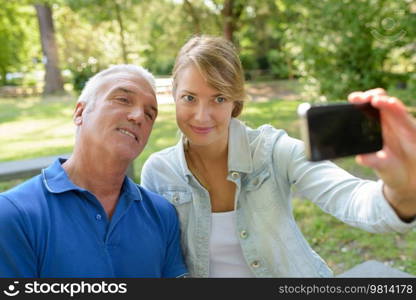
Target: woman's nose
(202, 113)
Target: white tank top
(226, 257)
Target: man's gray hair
(90, 90)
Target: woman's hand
(396, 162)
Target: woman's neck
(208, 153)
(204, 161)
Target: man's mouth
(127, 132)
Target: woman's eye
(220, 99)
(188, 98)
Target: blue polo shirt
(49, 227)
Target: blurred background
(292, 51)
(333, 47)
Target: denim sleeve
(355, 201)
(174, 261)
(17, 257)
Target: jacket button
(235, 175)
(175, 198)
(243, 234)
(255, 264)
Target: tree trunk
(231, 13)
(227, 13)
(121, 30)
(195, 18)
(53, 78)
(3, 73)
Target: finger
(389, 103)
(357, 97)
(395, 112)
(376, 91)
(362, 97)
(374, 160)
(354, 95)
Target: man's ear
(79, 112)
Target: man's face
(121, 119)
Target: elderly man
(83, 217)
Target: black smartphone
(339, 130)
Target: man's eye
(122, 99)
(188, 98)
(150, 116)
(220, 99)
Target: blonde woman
(231, 185)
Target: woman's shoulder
(262, 133)
(266, 140)
(163, 156)
(166, 165)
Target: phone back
(339, 130)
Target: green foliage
(335, 46)
(343, 44)
(18, 33)
(261, 39)
(82, 53)
(81, 75)
(162, 29)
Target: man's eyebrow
(122, 89)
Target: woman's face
(203, 114)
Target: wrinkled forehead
(128, 81)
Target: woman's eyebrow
(187, 91)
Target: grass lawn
(33, 127)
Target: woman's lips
(201, 130)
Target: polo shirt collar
(239, 158)
(57, 181)
(131, 190)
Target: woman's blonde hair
(217, 60)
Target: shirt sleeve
(17, 257)
(174, 262)
(355, 201)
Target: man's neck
(104, 177)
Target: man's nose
(136, 115)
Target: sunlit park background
(292, 51)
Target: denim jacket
(265, 164)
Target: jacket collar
(239, 153)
